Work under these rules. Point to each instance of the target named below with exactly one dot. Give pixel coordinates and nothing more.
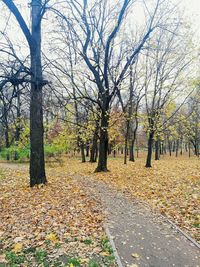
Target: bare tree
(97, 43)
(33, 37)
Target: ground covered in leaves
(55, 225)
(171, 186)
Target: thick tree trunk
(37, 162)
(150, 146)
(103, 145)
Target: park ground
(62, 225)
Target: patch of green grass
(105, 244)
(14, 259)
(40, 256)
(74, 261)
(93, 263)
(87, 241)
(197, 225)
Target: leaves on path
(171, 186)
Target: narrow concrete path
(141, 237)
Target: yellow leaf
(135, 255)
(83, 261)
(17, 247)
(105, 254)
(52, 237)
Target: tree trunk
(103, 145)
(126, 141)
(7, 141)
(131, 148)
(114, 148)
(94, 148)
(37, 163)
(18, 126)
(181, 152)
(82, 152)
(87, 150)
(177, 147)
(170, 148)
(189, 149)
(150, 146)
(157, 156)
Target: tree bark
(126, 141)
(37, 162)
(87, 150)
(94, 148)
(18, 125)
(103, 145)
(177, 147)
(157, 156)
(131, 148)
(150, 146)
(82, 152)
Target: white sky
(192, 10)
(191, 7)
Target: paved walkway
(141, 237)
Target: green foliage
(106, 245)
(53, 150)
(40, 255)
(15, 153)
(74, 261)
(87, 241)
(14, 258)
(23, 153)
(93, 263)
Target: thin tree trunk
(131, 148)
(150, 146)
(177, 147)
(18, 126)
(157, 156)
(114, 149)
(189, 149)
(87, 150)
(169, 147)
(82, 152)
(94, 148)
(126, 141)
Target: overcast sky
(192, 10)
(191, 7)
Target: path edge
(178, 229)
(112, 243)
